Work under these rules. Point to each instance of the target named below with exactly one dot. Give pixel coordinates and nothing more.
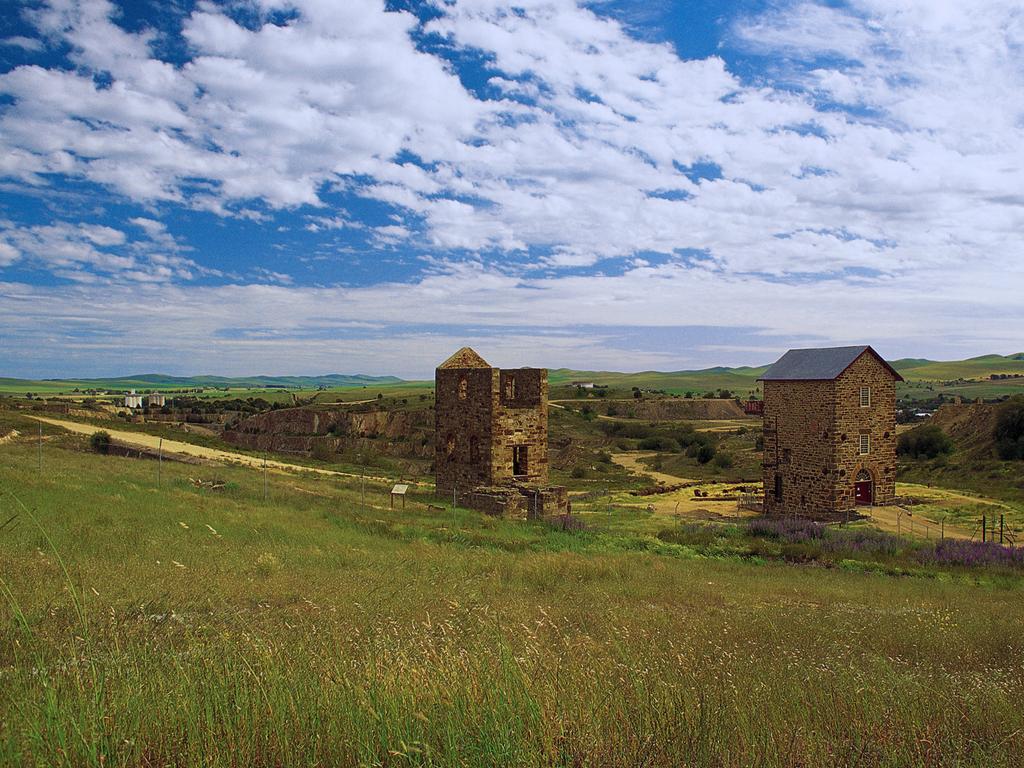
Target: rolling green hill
(973, 368)
(972, 375)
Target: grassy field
(152, 625)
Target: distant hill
(744, 378)
(163, 381)
(739, 380)
(973, 368)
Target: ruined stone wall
(502, 502)
(400, 433)
(521, 419)
(812, 439)
(798, 425)
(878, 421)
(464, 421)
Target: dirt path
(143, 440)
(631, 461)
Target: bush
(705, 453)
(792, 530)
(100, 442)
(925, 442)
(723, 460)
(658, 444)
(578, 472)
(973, 553)
(1009, 430)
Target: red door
(863, 492)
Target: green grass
(169, 625)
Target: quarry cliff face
(404, 433)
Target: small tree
(1009, 430)
(925, 442)
(100, 442)
(705, 454)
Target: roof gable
(464, 358)
(825, 364)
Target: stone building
(829, 431)
(491, 437)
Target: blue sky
(313, 186)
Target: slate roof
(465, 358)
(823, 364)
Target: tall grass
(306, 630)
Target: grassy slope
(224, 630)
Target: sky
(358, 186)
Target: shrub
(658, 444)
(686, 436)
(100, 442)
(578, 472)
(863, 541)
(924, 442)
(705, 453)
(973, 553)
(626, 429)
(792, 530)
(1009, 430)
(723, 460)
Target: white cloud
(25, 43)
(877, 195)
(89, 253)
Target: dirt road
(631, 461)
(143, 440)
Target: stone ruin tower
(491, 437)
(829, 431)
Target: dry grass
(152, 626)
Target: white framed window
(865, 397)
(865, 445)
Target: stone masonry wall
(798, 418)
(877, 420)
(482, 415)
(812, 438)
(522, 421)
(464, 421)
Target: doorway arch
(864, 488)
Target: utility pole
(40, 447)
(264, 476)
(362, 483)
(159, 461)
